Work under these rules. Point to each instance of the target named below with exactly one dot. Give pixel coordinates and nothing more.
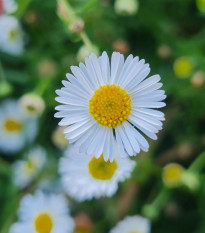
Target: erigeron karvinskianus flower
(132, 224)
(32, 105)
(43, 213)
(105, 102)
(11, 35)
(15, 129)
(85, 177)
(26, 170)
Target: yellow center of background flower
(14, 34)
(12, 125)
(43, 223)
(110, 105)
(133, 232)
(100, 169)
(172, 174)
(183, 67)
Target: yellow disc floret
(110, 105)
(172, 174)
(43, 223)
(101, 170)
(12, 125)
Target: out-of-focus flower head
(31, 17)
(77, 26)
(83, 224)
(201, 5)
(85, 51)
(8, 6)
(58, 138)
(108, 101)
(128, 7)
(172, 175)
(43, 213)
(32, 105)
(183, 67)
(25, 171)
(84, 177)
(132, 224)
(11, 35)
(47, 68)
(164, 51)
(15, 129)
(121, 46)
(198, 79)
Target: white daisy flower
(7, 6)
(104, 103)
(84, 177)
(25, 171)
(15, 129)
(41, 213)
(132, 224)
(11, 35)
(33, 105)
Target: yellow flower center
(134, 232)
(14, 34)
(101, 170)
(183, 67)
(172, 174)
(43, 223)
(110, 105)
(30, 167)
(12, 125)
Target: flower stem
(198, 164)
(152, 210)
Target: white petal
(120, 131)
(117, 62)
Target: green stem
(70, 13)
(42, 87)
(86, 40)
(198, 164)
(152, 210)
(2, 74)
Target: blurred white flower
(11, 35)
(43, 213)
(15, 129)
(58, 138)
(8, 6)
(85, 51)
(106, 102)
(84, 177)
(25, 171)
(126, 7)
(33, 105)
(132, 224)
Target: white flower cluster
(11, 34)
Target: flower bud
(126, 7)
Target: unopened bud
(77, 26)
(198, 79)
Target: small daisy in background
(15, 129)
(105, 102)
(85, 177)
(25, 171)
(43, 213)
(132, 224)
(32, 105)
(11, 35)
(58, 138)
(8, 6)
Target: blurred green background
(170, 35)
